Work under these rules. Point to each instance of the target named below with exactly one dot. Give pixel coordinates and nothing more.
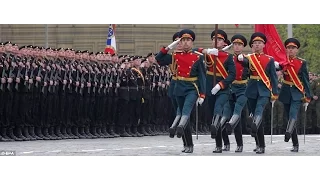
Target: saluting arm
(163, 58)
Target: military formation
(53, 94)
(225, 92)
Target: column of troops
(51, 94)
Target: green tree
(308, 35)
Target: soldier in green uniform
(295, 90)
(190, 86)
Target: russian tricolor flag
(111, 40)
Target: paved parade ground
(155, 146)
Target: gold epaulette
(301, 59)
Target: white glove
(174, 44)
(240, 57)
(200, 101)
(277, 65)
(215, 90)
(213, 51)
(305, 105)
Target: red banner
(274, 46)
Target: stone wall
(133, 39)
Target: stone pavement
(156, 146)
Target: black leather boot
(93, 131)
(63, 131)
(150, 131)
(289, 130)
(111, 131)
(215, 124)
(295, 149)
(38, 131)
(105, 133)
(45, 133)
(226, 147)
(182, 125)
(13, 136)
(217, 150)
(260, 150)
(135, 132)
(52, 133)
(239, 149)
(79, 132)
(25, 133)
(20, 135)
(58, 132)
(75, 131)
(123, 132)
(188, 149)
(143, 130)
(88, 133)
(255, 125)
(232, 123)
(172, 129)
(255, 149)
(5, 136)
(33, 134)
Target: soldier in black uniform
(4, 66)
(123, 101)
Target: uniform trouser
(35, 107)
(3, 122)
(158, 106)
(63, 109)
(86, 109)
(114, 107)
(92, 109)
(278, 111)
(50, 110)
(69, 106)
(152, 110)
(123, 108)
(98, 110)
(185, 104)
(145, 117)
(43, 110)
(291, 111)
(217, 103)
(79, 110)
(135, 112)
(23, 107)
(257, 106)
(106, 111)
(9, 106)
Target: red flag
(274, 46)
(237, 25)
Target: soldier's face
(237, 47)
(2, 49)
(220, 43)
(257, 46)
(186, 43)
(292, 50)
(8, 47)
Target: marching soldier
(295, 89)
(262, 86)
(219, 93)
(190, 86)
(238, 87)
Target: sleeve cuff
(202, 96)
(221, 85)
(164, 51)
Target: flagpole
(289, 28)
